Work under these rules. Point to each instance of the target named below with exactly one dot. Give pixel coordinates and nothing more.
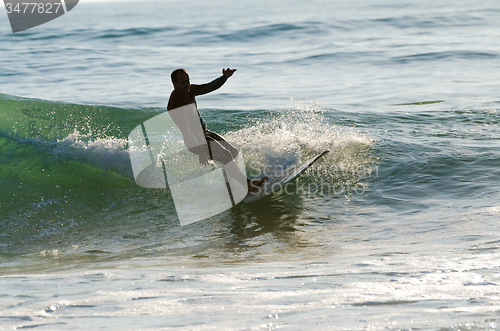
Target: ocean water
(396, 228)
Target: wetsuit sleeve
(209, 87)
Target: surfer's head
(180, 79)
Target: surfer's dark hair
(173, 76)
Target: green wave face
(52, 150)
(66, 177)
(65, 173)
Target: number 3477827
(33, 7)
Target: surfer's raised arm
(215, 84)
(184, 93)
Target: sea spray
(280, 139)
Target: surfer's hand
(204, 158)
(228, 72)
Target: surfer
(217, 148)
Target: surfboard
(279, 179)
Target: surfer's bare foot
(254, 184)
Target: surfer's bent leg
(226, 144)
(221, 154)
(220, 150)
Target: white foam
(105, 153)
(288, 137)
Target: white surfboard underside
(277, 182)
